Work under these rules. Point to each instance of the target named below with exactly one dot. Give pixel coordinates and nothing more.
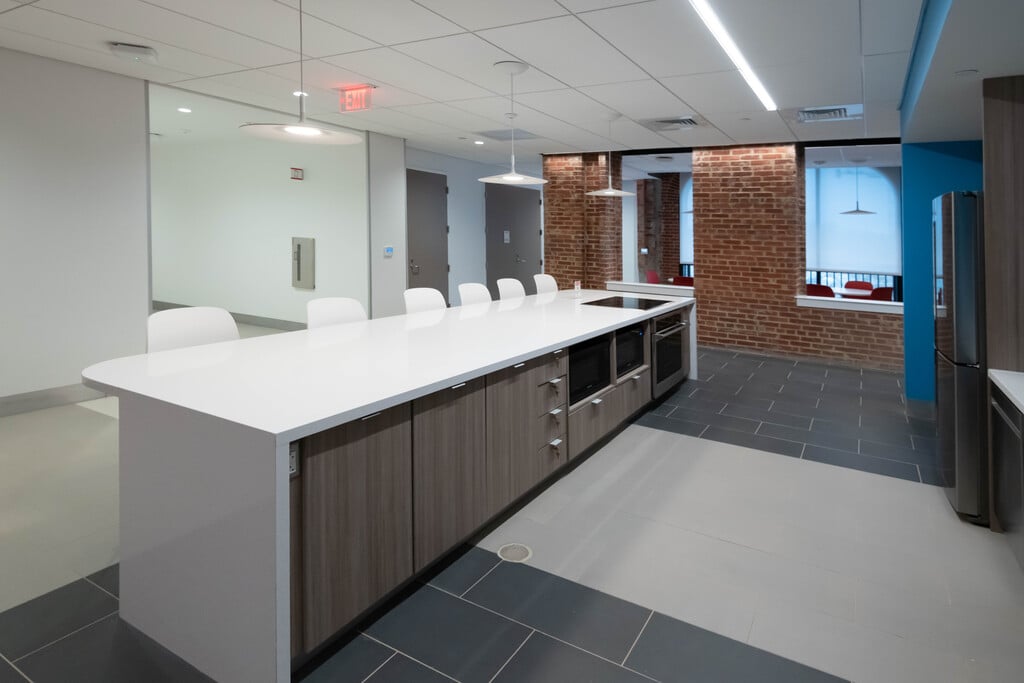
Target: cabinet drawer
(550, 426)
(592, 420)
(550, 395)
(553, 454)
(548, 366)
(635, 391)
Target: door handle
(413, 268)
(520, 259)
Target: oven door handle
(670, 331)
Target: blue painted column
(929, 170)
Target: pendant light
(858, 211)
(301, 130)
(610, 191)
(513, 69)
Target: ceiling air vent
(846, 112)
(505, 134)
(670, 124)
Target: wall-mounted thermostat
(389, 252)
(297, 174)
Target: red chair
(653, 278)
(684, 280)
(881, 293)
(820, 290)
(859, 284)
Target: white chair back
(177, 328)
(474, 293)
(420, 299)
(545, 283)
(333, 310)
(510, 288)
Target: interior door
(513, 235)
(427, 204)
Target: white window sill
(862, 305)
(648, 288)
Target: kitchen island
(224, 564)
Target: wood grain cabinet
(593, 418)
(356, 511)
(449, 468)
(524, 402)
(1008, 470)
(634, 392)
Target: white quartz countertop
(298, 383)
(1012, 384)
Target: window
(686, 225)
(843, 245)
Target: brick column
(669, 247)
(648, 226)
(582, 234)
(749, 251)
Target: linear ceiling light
(714, 25)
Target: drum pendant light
(610, 191)
(513, 69)
(301, 130)
(858, 211)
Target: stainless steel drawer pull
(637, 378)
(370, 417)
(518, 365)
(597, 401)
(459, 386)
(555, 412)
(554, 381)
(556, 351)
(556, 443)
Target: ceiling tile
(452, 117)
(638, 99)
(629, 134)
(89, 36)
(882, 119)
(155, 23)
(567, 105)
(475, 15)
(472, 58)
(567, 50)
(385, 21)
(753, 126)
(722, 91)
(587, 5)
(884, 75)
(272, 22)
(96, 59)
(829, 130)
(814, 83)
(385, 65)
(330, 79)
(704, 136)
(888, 25)
(278, 106)
(785, 31)
(665, 37)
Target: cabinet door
(449, 468)
(592, 420)
(510, 417)
(357, 519)
(295, 562)
(1007, 472)
(635, 390)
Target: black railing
(686, 269)
(838, 278)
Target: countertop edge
(1010, 383)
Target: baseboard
(244, 318)
(46, 398)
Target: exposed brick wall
(648, 226)
(750, 261)
(582, 235)
(669, 199)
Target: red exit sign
(355, 99)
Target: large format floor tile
(41, 621)
(545, 660)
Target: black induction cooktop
(626, 302)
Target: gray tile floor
(816, 411)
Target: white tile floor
(868, 577)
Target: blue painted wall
(929, 170)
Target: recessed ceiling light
(966, 73)
(299, 93)
(184, 110)
(717, 29)
(478, 142)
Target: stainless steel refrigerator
(960, 368)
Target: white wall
(224, 214)
(467, 247)
(389, 276)
(74, 234)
